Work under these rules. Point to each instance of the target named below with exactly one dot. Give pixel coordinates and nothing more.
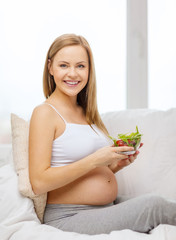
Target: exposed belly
(98, 187)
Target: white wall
(162, 53)
(28, 27)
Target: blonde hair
(87, 98)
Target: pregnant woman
(71, 158)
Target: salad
(133, 140)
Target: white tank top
(76, 142)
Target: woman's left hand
(125, 162)
(115, 167)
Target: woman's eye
(63, 65)
(81, 66)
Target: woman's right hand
(110, 154)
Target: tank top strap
(56, 112)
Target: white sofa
(153, 172)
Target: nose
(72, 72)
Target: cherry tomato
(121, 143)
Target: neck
(67, 101)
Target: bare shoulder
(42, 110)
(43, 113)
(42, 119)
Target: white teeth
(72, 83)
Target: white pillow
(154, 171)
(5, 154)
(20, 132)
(13, 206)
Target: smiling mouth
(72, 83)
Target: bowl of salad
(128, 139)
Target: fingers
(124, 162)
(123, 149)
(127, 159)
(120, 150)
(141, 144)
(133, 157)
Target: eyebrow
(76, 63)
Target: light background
(162, 53)
(28, 27)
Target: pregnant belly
(98, 187)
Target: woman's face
(70, 69)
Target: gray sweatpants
(139, 214)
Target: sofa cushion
(154, 171)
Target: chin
(72, 93)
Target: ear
(50, 70)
